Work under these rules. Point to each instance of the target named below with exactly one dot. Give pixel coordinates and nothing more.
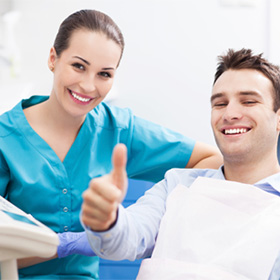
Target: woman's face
(84, 72)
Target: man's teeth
(235, 131)
(79, 97)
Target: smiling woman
(83, 76)
(64, 140)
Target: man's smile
(234, 131)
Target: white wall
(170, 55)
(274, 31)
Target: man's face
(243, 121)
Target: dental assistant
(52, 146)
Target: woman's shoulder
(14, 119)
(8, 123)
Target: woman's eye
(105, 74)
(78, 66)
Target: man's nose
(233, 112)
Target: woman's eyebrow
(85, 61)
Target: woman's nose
(88, 84)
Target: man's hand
(102, 198)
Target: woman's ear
(52, 59)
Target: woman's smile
(79, 98)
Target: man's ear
(52, 59)
(278, 119)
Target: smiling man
(225, 225)
(245, 116)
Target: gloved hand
(71, 243)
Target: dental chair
(22, 236)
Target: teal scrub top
(34, 179)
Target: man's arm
(114, 232)
(205, 156)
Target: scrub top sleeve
(155, 149)
(4, 177)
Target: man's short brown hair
(245, 59)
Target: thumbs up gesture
(104, 194)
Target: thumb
(118, 173)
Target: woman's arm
(32, 261)
(69, 243)
(205, 156)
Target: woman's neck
(57, 116)
(54, 125)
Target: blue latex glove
(73, 243)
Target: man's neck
(250, 173)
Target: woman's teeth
(82, 99)
(235, 131)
